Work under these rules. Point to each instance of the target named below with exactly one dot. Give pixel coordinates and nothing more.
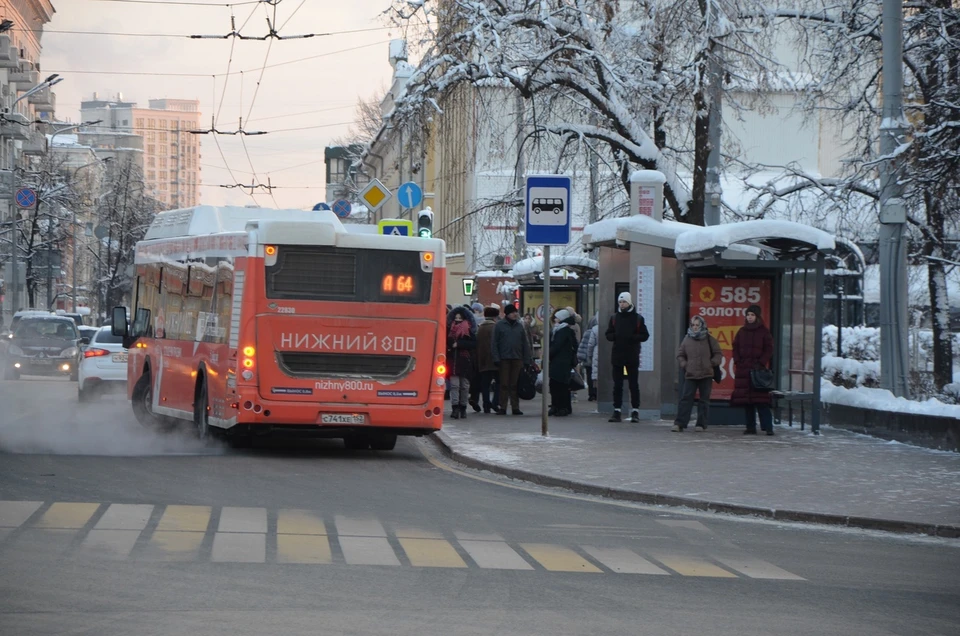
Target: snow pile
(703, 239)
(883, 400)
(606, 230)
(859, 343)
(850, 373)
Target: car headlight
(14, 350)
(69, 353)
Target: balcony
(25, 80)
(44, 100)
(34, 144)
(9, 55)
(9, 129)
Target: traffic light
(425, 223)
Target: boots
(455, 412)
(463, 412)
(635, 416)
(616, 416)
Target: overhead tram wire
(186, 35)
(184, 3)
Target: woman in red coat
(752, 349)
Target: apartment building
(171, 155)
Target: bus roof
(280, 226)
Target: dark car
(44, 345)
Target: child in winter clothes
(461, 343)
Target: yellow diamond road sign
(375, 195)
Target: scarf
(560, 325)
(697, 335)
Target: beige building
(171, 155)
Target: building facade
(171, 154)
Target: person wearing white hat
(626, 331)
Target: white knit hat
(562, 315)
(625, 296)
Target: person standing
(511, 350)
(485, 365)
(752, 349)
(698, 354)
(626, 331)
(585, 355)
(477, 310)
(563, 357)
(461, 341)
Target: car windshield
(54, 329)
(105, 336)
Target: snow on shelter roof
(775, 235)
(660, 233)
(534, 266)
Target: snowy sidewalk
(838, 477)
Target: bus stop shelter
(785, 277)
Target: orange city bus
(251, 321)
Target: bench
(790, 398)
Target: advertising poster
(644, 304)
(559, 298)
(722, 303)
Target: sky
(304, 105)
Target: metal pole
(893, 213)
(545, 348)
(74, 266)
(713, 190)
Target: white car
(104, 364)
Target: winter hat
(509, 309)
(625, 296)
(562, 316)
(755, 310)
(491, 312)
(476, 307)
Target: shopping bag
(576, 382)
(527, 383)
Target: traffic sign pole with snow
(409, 195)
(395, 227)
(548, 210)
(342, 208)
(375, 195)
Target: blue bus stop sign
(341, 207)
(548, 210)
(321, 206)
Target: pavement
(837, 477)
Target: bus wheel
(201, 413)
(356, 442)
(143, 401)
(383, 442)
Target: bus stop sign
(548, 210)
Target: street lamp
(75, 232)
(47, 83)
(73, 127)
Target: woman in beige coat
(699, 353)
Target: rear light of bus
(249, 354)
(270, 255)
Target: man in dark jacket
(626, 331)
(487, 370)
(511, 350)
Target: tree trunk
(701, 152)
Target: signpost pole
(14, 260)
(545, 347)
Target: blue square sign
(548, 210)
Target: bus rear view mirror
(118, 326)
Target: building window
(151, 175)
(140, 122)
(151, 123)
(151, 162)
(163, 124)
(163, 137)
(163, 176)
(151, 136)
(151, 149)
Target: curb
(656, 499)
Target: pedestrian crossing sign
(395, 227)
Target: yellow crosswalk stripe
(184, 519)
(302, 548)
(692, 566)
(431, 553)
(175, 546)
(67, 515)
(291, 521)
(558, 559)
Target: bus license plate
(119, 357)
(342, 418)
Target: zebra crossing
(254, 535)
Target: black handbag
(761, 379)
(576, 382)
(527, 383)
(717, 376)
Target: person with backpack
(626, 331)
(697, 356)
